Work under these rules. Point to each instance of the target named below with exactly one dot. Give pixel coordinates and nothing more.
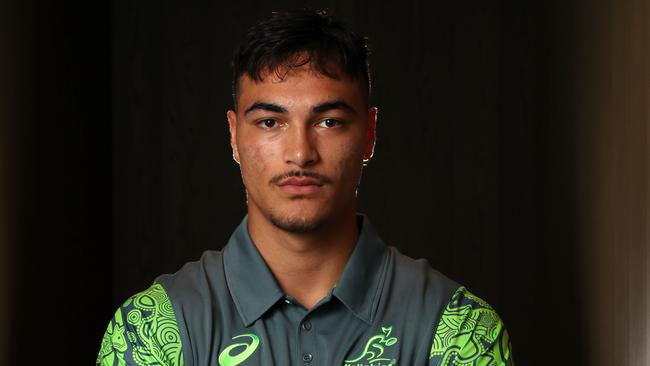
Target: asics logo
(234, 354)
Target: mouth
(301, 185)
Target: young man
(304, 279)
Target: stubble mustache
(298, 173)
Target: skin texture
(306, 239)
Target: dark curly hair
(291, 39)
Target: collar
(250, 281)
(254, 289)
(363, 276)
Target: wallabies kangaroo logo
(374, 350)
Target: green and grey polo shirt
(227, 309)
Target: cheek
(255, 159)
(350, 161)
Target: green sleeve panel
(470, 332)
(143, 332)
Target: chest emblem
(373, 352)
(227, 358)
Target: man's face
(301, 142)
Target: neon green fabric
(143, 332)
(470, 332)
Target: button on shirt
(227, 309)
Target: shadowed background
(512, 153)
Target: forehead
(299, 85)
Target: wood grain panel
(7, 34)
(614, 121)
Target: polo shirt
(227, 309)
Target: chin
(298, 224)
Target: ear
(232, 127)
(371, 134)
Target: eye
(330, 123)
(267, 123)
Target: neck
(306, 265)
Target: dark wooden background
(121, 167)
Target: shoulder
(193, 282)
(150, 327)
(418, 275)
(143, 331)
(194, 271)
(470, 330)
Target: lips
(300, 185)
(300, 181)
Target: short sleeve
(143, 332)
(470, 332)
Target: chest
(330, 335)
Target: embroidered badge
(226, 358)
(373, 352)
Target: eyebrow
(271, 107)
(319, 108)
(336, 104)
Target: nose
(300, 148)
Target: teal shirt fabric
(227, 309)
